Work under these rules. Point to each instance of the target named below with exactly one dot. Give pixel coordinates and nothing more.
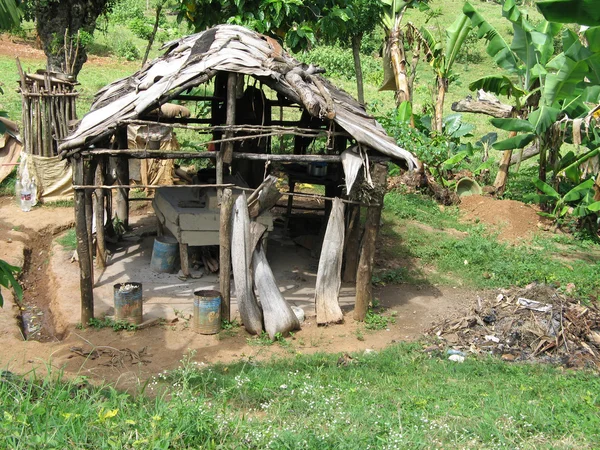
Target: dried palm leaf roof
(195, 59)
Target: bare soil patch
(513, 220)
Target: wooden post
(364, 294)
(100, 239)
(227, 149)
(83, 252)
(89, 175)
(225, 254)
(352, 246)
(123, 193)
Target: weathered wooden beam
(364, 291)
(225, 253)
(83, 252)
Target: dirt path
(129, 358)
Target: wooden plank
(241, 258)
(364, 293)
(85, 281)
(330, 265)
(183, 256)
(89, 175)
(278, 315)
(225, 253)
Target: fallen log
(485, 104)
(330, 266)
(529, 152)
(278, 315)
(241, 259)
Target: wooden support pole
(364, 292)
(100, 238)
(352, 246)
(227, 148)
(89, 175)
(123, 193)
(85, 282)
(225, 254)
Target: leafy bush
(141, 27)
(124, 11)
(125, 48)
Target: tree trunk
(442, 86)
(398, 59)
(53, 18)
(153, 34)
(356, 40)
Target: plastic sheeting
(53, 177)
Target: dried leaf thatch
(195, 59)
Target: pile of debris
(533, 323)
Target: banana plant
(391, 19)
(578, 201)
(442, 57)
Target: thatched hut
(264, 107)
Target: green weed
(68, 240)
(116, 325)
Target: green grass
(68, 240)
(475, 257)
(391, 399)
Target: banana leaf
(583, 12)
(542, 118)
(455, 37)
(578, 191)
(497, 47)
(518, 141)
(546, 189)
(499, 85)
(513, 125)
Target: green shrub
(141, 27)
(125, 48)
(125, 10)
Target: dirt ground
(128, 358)
(513, 220)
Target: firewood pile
(532, 323)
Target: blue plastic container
(165, 254)
(128, 302)
(207, 311)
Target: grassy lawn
(438, 256)
(398, 398)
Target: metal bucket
(128, 302)
(207, 311)
(164, 254)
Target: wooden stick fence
(48, 106)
